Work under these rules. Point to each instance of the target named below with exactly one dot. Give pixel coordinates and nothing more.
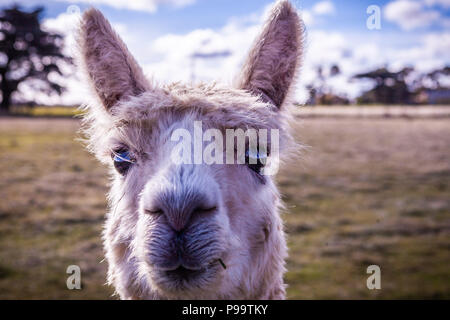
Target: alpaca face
(188, 216)
(191, 229)
(184, 220)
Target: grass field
(367, 191)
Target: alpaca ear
(114, 73)
(274, 59)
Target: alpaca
(189, 231)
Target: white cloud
(442, 3)
(430, 53)
(313, 16)
(323, 8)
(167, 58)
(176, 53)
(65, 24)
(409, 14)
(357, 55)
(307, 17)
(137, 5)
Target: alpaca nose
(182, 209)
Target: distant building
(428, 96)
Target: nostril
(205, 209)
(179, 235)
(154, 212)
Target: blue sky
(163, 34)
(215, 13)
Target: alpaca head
(193, 228)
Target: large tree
(27, 53)
(390, 87)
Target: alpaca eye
(122, 160)
(255, 160)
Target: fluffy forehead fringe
(219, 107)
(224, 106)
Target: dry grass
(366, 192)
(45, 111)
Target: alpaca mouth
(184, 278)
(184, 273)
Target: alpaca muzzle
(189, 258)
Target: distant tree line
(406, 86)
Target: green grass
(365, 192)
